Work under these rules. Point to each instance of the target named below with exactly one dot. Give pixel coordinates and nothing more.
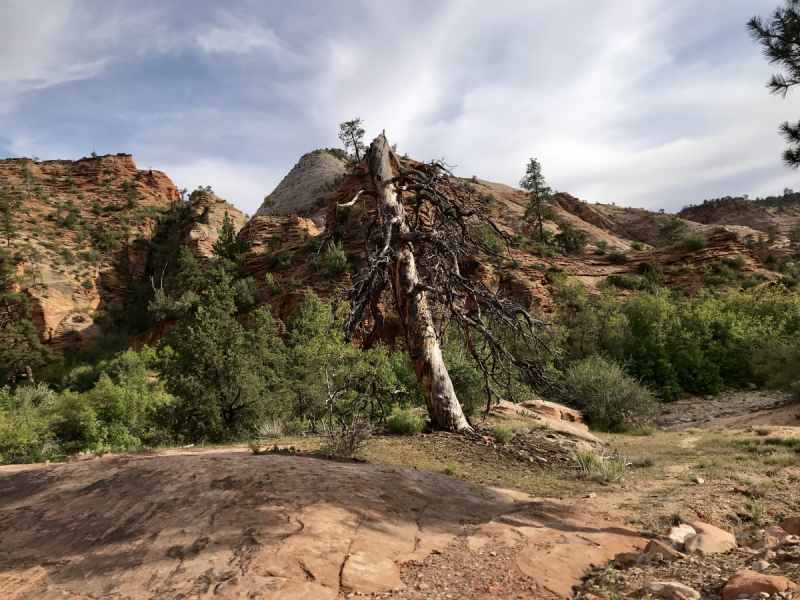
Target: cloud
(652, 104)
(240, 40)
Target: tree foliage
(21, 351)
(352, 135)
(540, 196)
(225, 375)
(779, 37)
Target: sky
(656, 103)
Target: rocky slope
(738, 211)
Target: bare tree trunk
(412, 303)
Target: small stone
(699, 480)
(423, 586)
(591, 495)
(664, 589)
(759, 565)
(220, 587)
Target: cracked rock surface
(227, 525)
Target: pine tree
(352, 135)
(779, 37)
(540, 196)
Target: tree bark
(412, 303)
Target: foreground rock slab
(226, 524)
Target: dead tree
(431, 226)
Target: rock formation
(308, 188)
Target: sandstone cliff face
(73, 215)
(308, 188)
(202, 236)
(738, 211)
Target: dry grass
(658, 486)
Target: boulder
(751, 583)
(555, 416)
(369, 574)
(791, 525)
(772, 537)
(669, 589)
(709, 540)
(677, 535)
(656, 551)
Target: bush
(501, 435)
(627, 282)
(494, 244)
(405, 422)
(269, 428)
(608, 397)
(737, 263)
(572, 240)
(637, 246)
(618, 258)
(695, 242)
(336, 259)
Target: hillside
(90, 232)
(84, 238)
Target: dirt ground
(432, 516)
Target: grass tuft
(405, 422)
(597, 468)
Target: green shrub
(572, 240)
(627, 282)
(618, 258)
(490, 238)
(285, 258)
(336, 260)
(608, 397)
(602, 248)
(637, 246)
(246, 293)
(501, 435)
(647, 431)
(405, 422)
(737, 263)
(695, 242)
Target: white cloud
(240, 40)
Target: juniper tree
(779, 37)
(225, 376)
